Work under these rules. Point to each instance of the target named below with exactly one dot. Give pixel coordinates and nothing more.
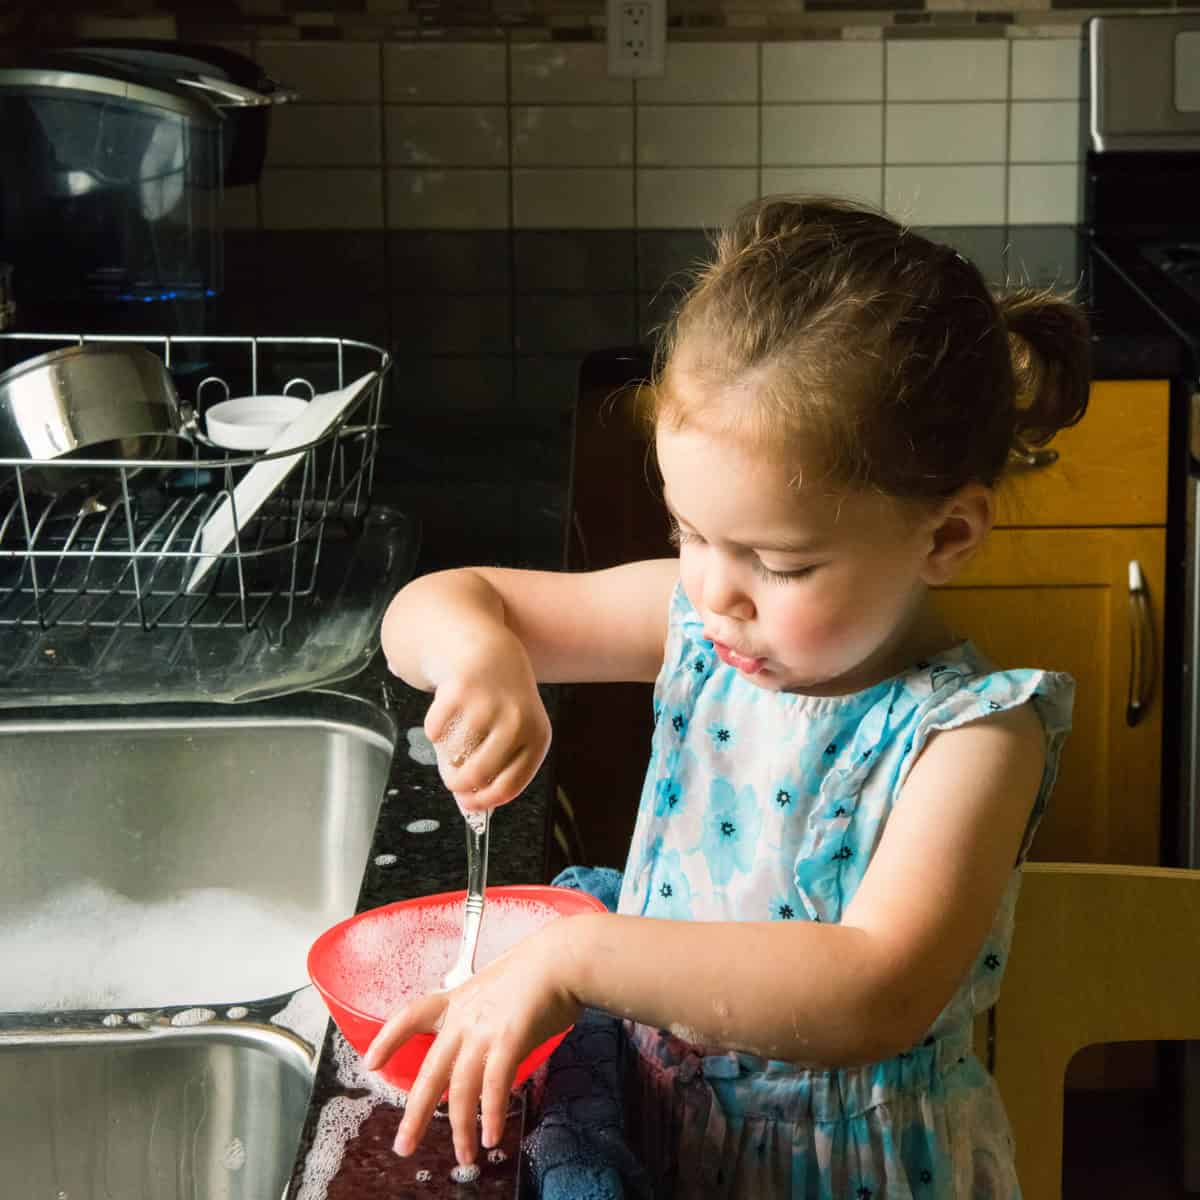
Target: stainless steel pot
(97, 400)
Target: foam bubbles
(464, 1173)
(338, 1124)
(394, 956)
(193, 1016)
(86, 946)
(234, 1156)
(305, 1014)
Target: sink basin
(192, 1114)
(163, 872)
(177, 855)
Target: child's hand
(484, 1029)
(488, 724)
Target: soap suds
(86, 947)
(424, 825)
(420, 748)
(394, 956)
(305, 1014)
(192, 1016)
(464, 1173)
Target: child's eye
(764, 572)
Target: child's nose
(725, 594)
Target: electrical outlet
(637, 37)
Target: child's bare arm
(866, 988)
(481, 639)
(825, 995)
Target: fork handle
(478, 825)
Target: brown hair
(832, 320)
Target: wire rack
(99, 558)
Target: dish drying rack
(98, 592)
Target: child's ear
(962, 523)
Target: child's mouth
(747, 666)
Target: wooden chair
(1100, 954)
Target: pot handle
(226, 94)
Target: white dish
(260, 482)
(251, 422)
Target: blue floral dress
(761, 805)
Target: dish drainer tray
(98, 573)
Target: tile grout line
(1008, 95)
(883, 166)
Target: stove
(1141, 77)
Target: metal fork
(477, 853)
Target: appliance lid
(58, 73)
(1141, 80)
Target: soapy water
(89, 947)
(395, 956)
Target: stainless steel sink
(141, 1055)
(196, 1114)
(182, 820)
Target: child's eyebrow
(779, 546)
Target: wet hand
(484, 1029)
(489, 727)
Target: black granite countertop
(419, 849)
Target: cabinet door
(1110, 469)
(1060, 599)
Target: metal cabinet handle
(1032, 460)
(1142, 664)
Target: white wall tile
(822, 133)
(697, 135)
(951, 69)
(597, 135)
(704, 73)
(1043, 195)
(445, 135)
(1046, 68)
(573, 199)
(321, 199)
(324, 71)
(565, 73)
(1044, 131)
(822, 71)
(447, 199)
(692, 198)
(853, 183)
(448, 73)
(946, 133)
(945, 195)
(344, 135)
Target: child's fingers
(465, 1082)
(488, 786)
(426, 1091)
(499, 1073)
(419, 1016)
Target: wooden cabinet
(1051, 589)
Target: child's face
(799, 589)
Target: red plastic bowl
(332, 957)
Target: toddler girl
(819, 893)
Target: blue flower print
(670, 796)
(785, 907)
(722, 736)
(676, 718)
(731, 826)
(670, 894)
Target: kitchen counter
(419, 849)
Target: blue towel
(577, 1150)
